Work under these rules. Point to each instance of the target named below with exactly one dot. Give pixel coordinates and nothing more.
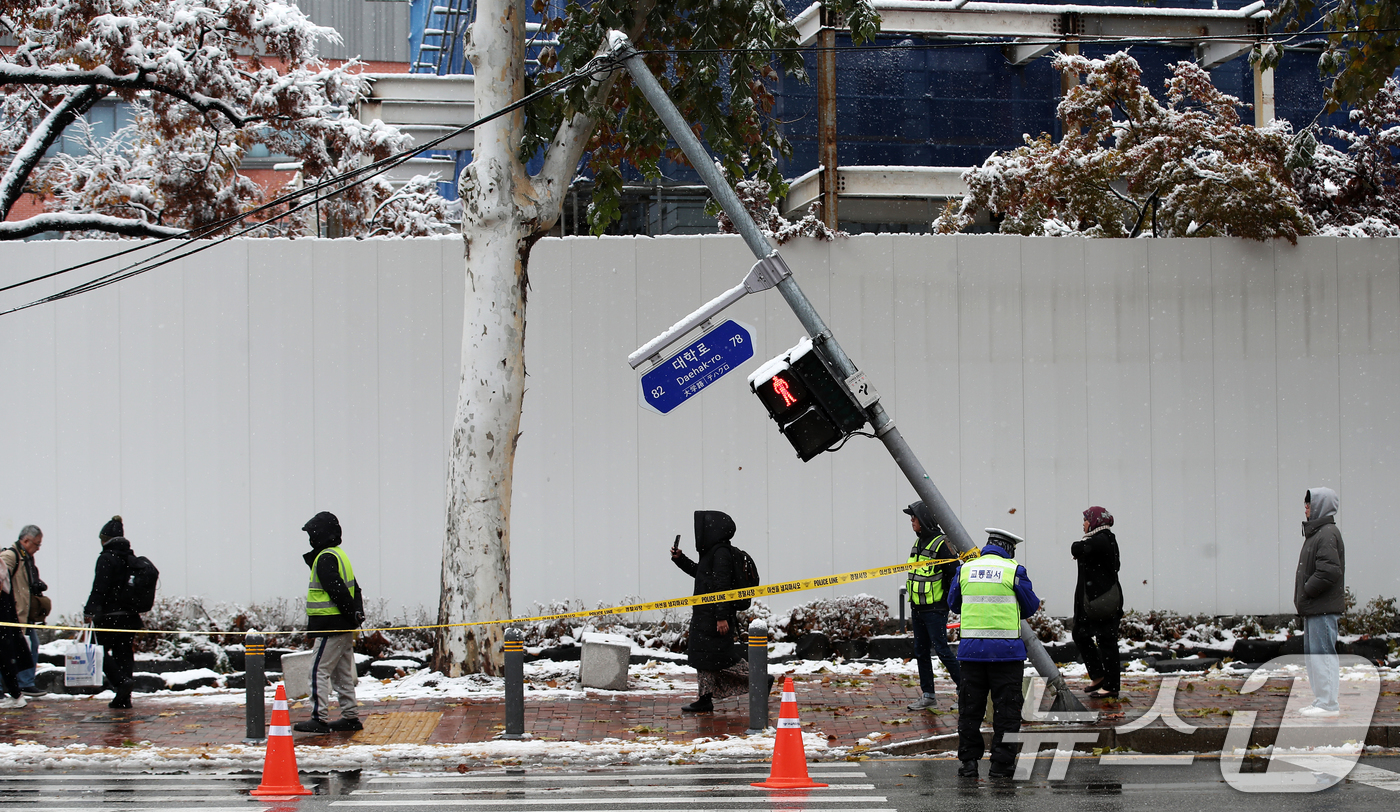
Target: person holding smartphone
(713, 628)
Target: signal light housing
(811, 407)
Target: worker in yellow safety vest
(927, 589)
(335, 607)
(992, 593)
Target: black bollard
(254, 686)
(758, 676)
(515, 684)
(901, 610)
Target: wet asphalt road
(901, 785)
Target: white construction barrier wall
(1195, 388)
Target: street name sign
(705, 360)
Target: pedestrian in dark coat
(1097, 638)
(14, 650)
(108, 607)
(713, 627)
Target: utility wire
(1009, 39)
(362, 174)
(342, 182)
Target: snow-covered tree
(719, 60)
(207, 80)
(1362, 43)
(1354, 191)
(1130, 165)
(757, 197)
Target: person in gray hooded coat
(1319, 595)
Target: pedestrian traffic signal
(812, 410)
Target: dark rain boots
(702, 705)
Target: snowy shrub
(1047, 628)
(758, 611)
(1160, 626)
(1380, 616)
(282, 621)
(845, 617)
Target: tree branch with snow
(204, 82)
(1187, 164)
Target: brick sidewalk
(845, 709)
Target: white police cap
(995, 534)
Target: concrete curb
(1152, 740)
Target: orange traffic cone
(280, 763)
(789, 759)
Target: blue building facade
(916, 101)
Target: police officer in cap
(992, 593)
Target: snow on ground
(425, 757)
(545, 679)
(550, 679)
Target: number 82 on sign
(697, 366)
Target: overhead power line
(335, 185)
(338, 184)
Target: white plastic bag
(83, 662)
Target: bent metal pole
(620, 47)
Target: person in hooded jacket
(108, 607)
(1097, 638)
(335, 607)
(714, 628)
(927, 589)
(1319, 595)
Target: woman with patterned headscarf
(1098, 602)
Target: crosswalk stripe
(761, 772)
(101, 808)
(90, 777)
(96, 786)
(143, 799)
(561, 790)
(786, 797)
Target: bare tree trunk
(476, 549)
(504, 212)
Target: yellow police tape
(783, 588)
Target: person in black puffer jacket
(713, 628)
(107, 608)
(1097, 639)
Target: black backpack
(138, 592)
(745, 576)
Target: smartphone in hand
(676, 546)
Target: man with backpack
(123, 586)
(714, 628)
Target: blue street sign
(707, 359)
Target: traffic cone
(280, 763)
(789, 759)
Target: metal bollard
(901, 610)
(254, 687)
(758, 676)
(515, 684)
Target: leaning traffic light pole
(771, 271)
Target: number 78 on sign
(698, 365)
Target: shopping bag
(83, 663)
